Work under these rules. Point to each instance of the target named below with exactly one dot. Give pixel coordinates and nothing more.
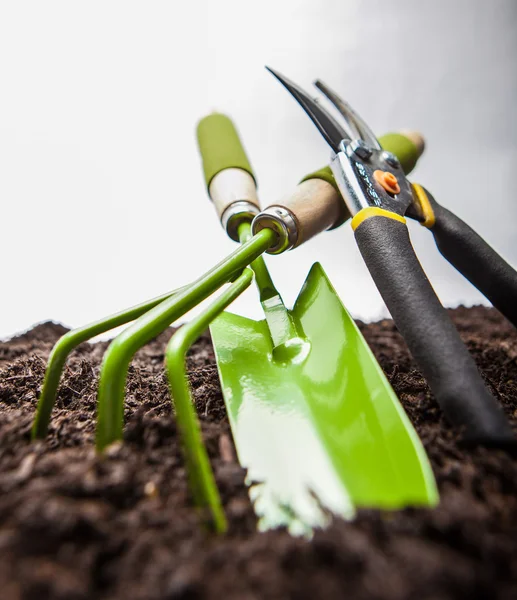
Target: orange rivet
(388, 181)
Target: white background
(102, 199)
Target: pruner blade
(354, 121)
(329, 128)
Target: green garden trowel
(314, 420)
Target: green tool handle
(220, 146)
(434, 342)
(228, 174)
(471, 255)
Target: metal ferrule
(282, 222)
(238, 212)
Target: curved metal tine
(64, 346)
(118, 356)
(329, 128)
(200, 474)
(351, 117)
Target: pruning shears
(377, 198)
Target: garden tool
(377, 197)
(314, 420)
(153, 316)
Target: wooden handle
(230, 186)
(315, 206)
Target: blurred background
(103, 200)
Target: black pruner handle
(434, 342)
(470, 254)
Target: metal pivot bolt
(361, 149)
(391, 159)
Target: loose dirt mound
(73, 526)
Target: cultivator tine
(114, 369)
(67, 343)
(204, 488)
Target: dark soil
(75, 526)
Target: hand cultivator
(314, 420)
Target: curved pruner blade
(329, 128)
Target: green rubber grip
(401, 146)
(326, 174)
(220, 147)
